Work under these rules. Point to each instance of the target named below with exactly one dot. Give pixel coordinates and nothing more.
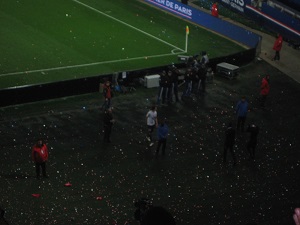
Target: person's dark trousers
(170, 94)
(230, 147)
(159, 95)
(175, 91)
(161, 142)
(277, 55)
(107, 132)
(150, 131)
(38, 167)
(263, 100)
(203, 84)
(194, 88)
(188, 89)
(164, 95)
(106, 104)
(251, 145)
(241, 123)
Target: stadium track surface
(217, 195)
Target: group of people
(195, 76)
(230, 133)
(168, 86)
(162, 130)
(241, 112)
(151, 116)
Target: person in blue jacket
(162, 133)
(241, 111)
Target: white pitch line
(87, 64)
(126, 24)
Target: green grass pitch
(45, 41)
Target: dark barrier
(33, 93)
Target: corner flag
(187, 30)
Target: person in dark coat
(202, 75)
(108, 122)
(188, 83)
(229, 143)
(163, 88)
(251, 145)
(241, 111)
(174, 80)
(204, 58)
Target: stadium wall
(268, 16)
(204, 19)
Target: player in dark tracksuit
(202, 75)
(163, 88)
(174, 81)
(188, 83)
(251, 145)
(195, 80)
(170, 87)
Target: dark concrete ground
(190, 181)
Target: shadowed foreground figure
(158, 216)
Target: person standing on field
(40, 157)
(214, 10)
(277, 47)
(264, 90)
(241, 111)
(162, 133)
(251, 145)
(107, 94)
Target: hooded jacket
(40, 154)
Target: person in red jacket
(214, 10)
(107, 94)
(40, 156)
(277, 47)
(264, 90)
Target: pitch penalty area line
(86, 64)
